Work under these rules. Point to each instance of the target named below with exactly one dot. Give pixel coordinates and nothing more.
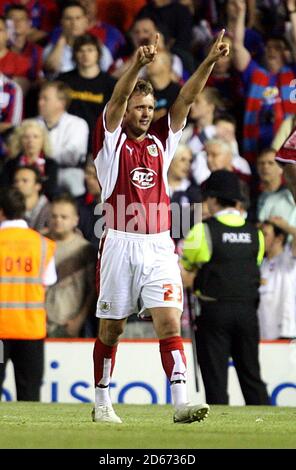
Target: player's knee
(169, 328)
(109, 332)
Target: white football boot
(191, 413)
(105, 414)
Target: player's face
(139, 114)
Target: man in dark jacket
(227, 250)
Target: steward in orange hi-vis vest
(24, 257)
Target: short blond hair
(15, 142)
(143, 87)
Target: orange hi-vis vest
(24, 257)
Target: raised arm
(125, 85)
(241, 55)
(180, 109)
(53, 60)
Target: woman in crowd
(29, 145)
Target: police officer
(26, 268)
(220, 260)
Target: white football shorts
(137, 272)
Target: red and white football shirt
(133, 176)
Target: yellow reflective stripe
(25, 305)
(20, 280)
(197, 247)
(232, 220)
(261, 247)
(43, 256)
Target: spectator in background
(58, 54)
(178, 21)
(166, 90)
(142, 32)
(87, 204)
(119, 13)
(26, 268)
(12, 65)
(19, 42)
(29, 145)
(72, 299)
(28, 181)
(268, 88)
(270, 178)
(43, 15)
(90, 88)
(202, 114)
(110, 36)
(183, 191)
(68, 135)
(228, 82)
(278, 203)
(253, 38)
(220, 260)
(277, 307)
(11, 110)
(218, 155)
(225, 125)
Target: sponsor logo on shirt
(153, 150)
(143, 178)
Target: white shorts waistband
(111, 233)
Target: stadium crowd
(59, 62)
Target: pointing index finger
(220, 37)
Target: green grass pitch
(69, 426)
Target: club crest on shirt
(105, 306)
(153, 150)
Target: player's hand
(146, 54)
(218, 49)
